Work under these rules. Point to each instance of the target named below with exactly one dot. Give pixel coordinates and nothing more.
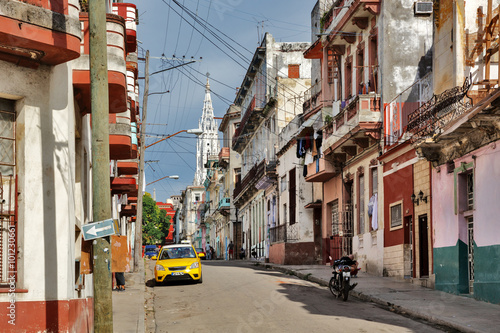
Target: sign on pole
(98, 229)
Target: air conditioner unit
(423, 8)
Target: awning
(314, 123)
(315, 51)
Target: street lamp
(171, 177)
(195, 131)
(138, 225)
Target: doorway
(423, 235)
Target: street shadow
(318, 300)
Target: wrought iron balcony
(436, 113)
(259, 177)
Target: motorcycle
(340, 283)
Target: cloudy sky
(221, 35)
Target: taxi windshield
(177, 253)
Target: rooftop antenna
(261, 23)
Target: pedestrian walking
(208, 251)
(242, 253)
(120, 281)
(230, 247)
(212, 252)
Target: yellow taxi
(178, 262)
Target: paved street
(240, 297)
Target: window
(8, 225)
(396, 216)
(197, 198)
(285, 215)
(335, 218)
(360, 73)
(330, 65)
(293, 71)
(374, 176)
(470, 191)
(237, 175)
(283, 183)
(361, 224)
(292, 196)
(348, 77)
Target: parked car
(150, 251)
(201, 253)
(178, 262)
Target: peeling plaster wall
(405, 47)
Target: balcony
(129, 12)
(346, 13)
(224, 157)
(135, 141)
(313, 99)
(34, 32)
(127, 168)
(129, 210)
(224, 206)
(448, 126)
(117, 82)
(120, 136)
(321, 170)
(259, 177)
(123, 184)
(355, 127)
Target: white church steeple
(208, 141)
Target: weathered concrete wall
(405, 47)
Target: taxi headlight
(194, 265)
(159, 268)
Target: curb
(370, 298)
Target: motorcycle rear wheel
(345, 290)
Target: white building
(271, 95)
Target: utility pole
(101, 195)
(138, 223)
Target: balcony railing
(396, 112)
(313, 98)
(438, 112)
(362, 113)
(284, 233)
(224, 203)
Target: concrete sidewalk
(458, 312)
(128, 305)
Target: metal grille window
(8, 231)
(335, 217)
(470, 191)
(292, 195)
